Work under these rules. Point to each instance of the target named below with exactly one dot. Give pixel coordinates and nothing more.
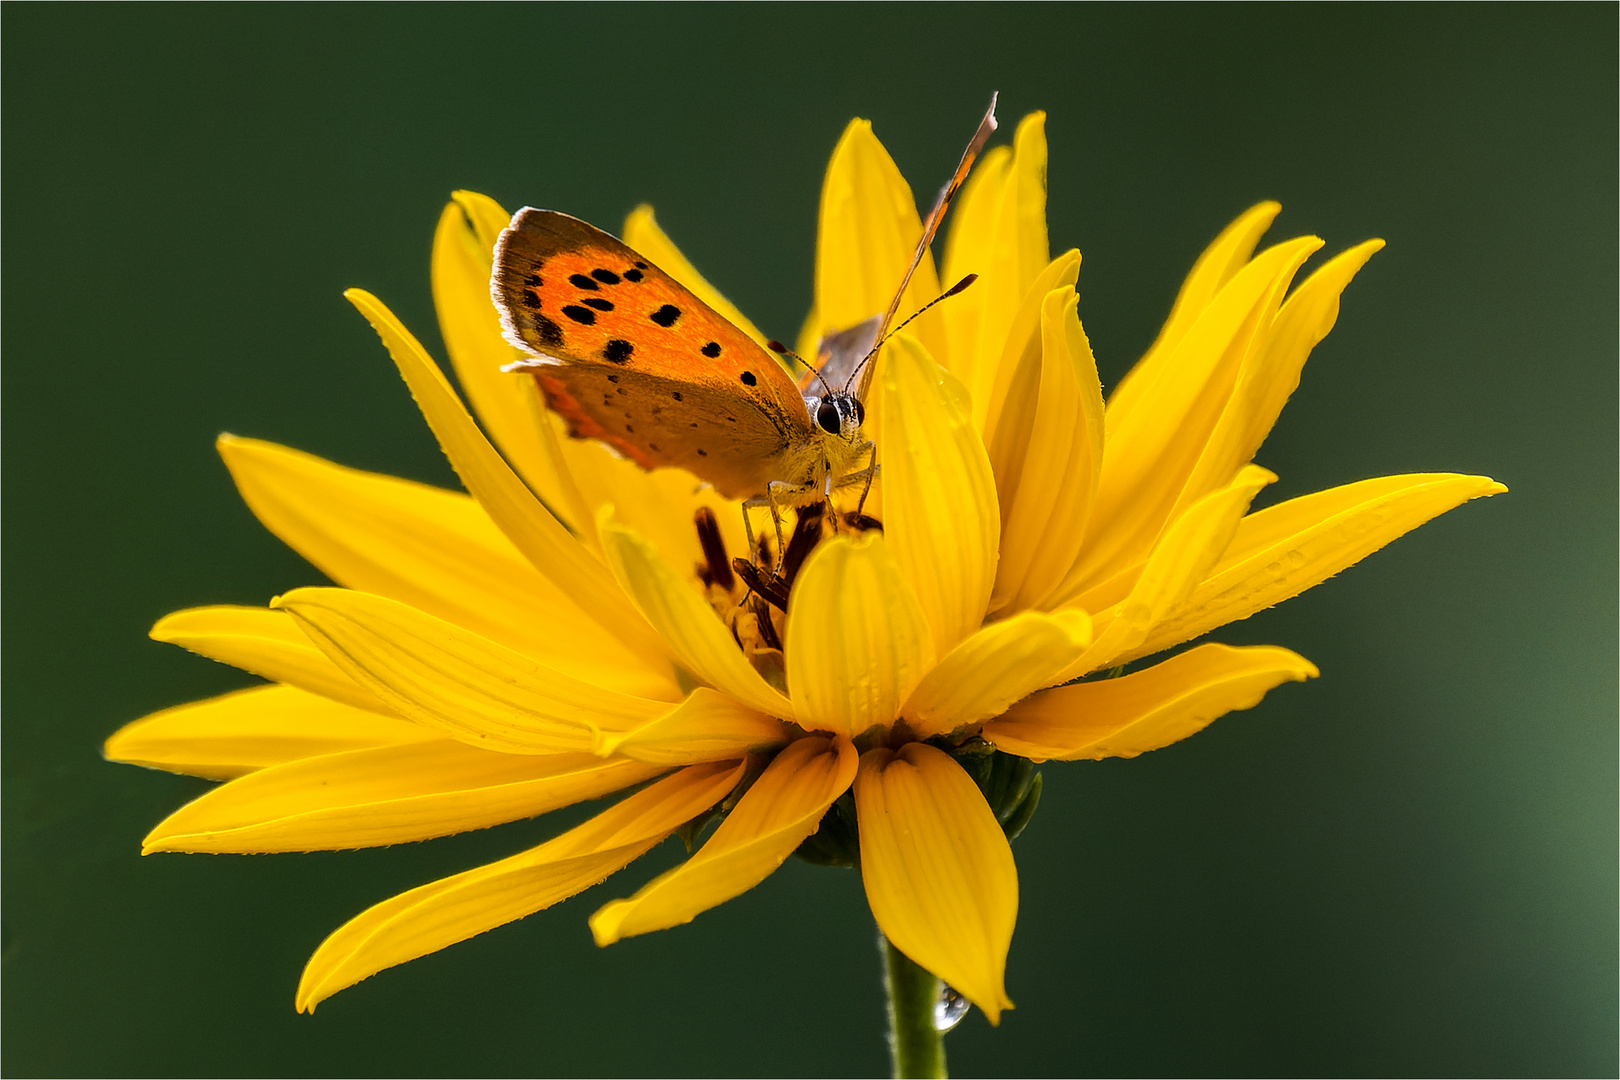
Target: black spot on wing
(531, 300)
(640, 265)
(748, 378)
(711, 350)
(618, 350)
(678, 396)
(666, 315)
(703, 453)
(632, 275)
(547, 331)
(598, 303)
(533, 281)
(580, 314)
(580, 281)
(606, 277)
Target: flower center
(751, 594)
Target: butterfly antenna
(952, 291)
(981, 135)
(781, 349)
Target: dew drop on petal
(950, 1008)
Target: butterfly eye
(860, 413)
(827, 417)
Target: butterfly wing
(838, 356)
(631, 357)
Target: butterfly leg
(777, 495)
(863, 476)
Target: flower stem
(916, 1048)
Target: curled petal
(1226, 255)
(999, 234)
(697, 638)
(1181, 559)
(939, 494)
(267, 643)
(430, 917)
(1271, 370)
(1153, 441)
(939, 875)
(449, 678)
(386, 795)
(1019, 362)
(857, 640)
(783, 807)
(236, 733)
(1283, 550)
(1000, 664)
(1048, 446)
(1145, 710)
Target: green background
(1407, 867)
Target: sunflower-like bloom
(545, 639)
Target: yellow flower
(544, 640)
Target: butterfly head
(838, 414)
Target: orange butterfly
(629, 356)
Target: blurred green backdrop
(1407, 867)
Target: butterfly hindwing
(656, 421)
(622, 348)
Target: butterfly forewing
(628, 355)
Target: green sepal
(1010, 783)
(1024, 811)
(837, 839)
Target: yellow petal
(1181, 559)
(784, 806)
(867, 232)
(1220, 262)
(467, 686)
(267, 643)
(1271, 370)
(1147, 709)
(969, 244)
(939, 875)
(857, 641)
(1152, 447)
(386, 795)
(508, 403)
(234, 734)
(432, 549)
(642, 233)
(707, 727)
(430, 917)
(1002, 663)
(700, 642)
(1007, 261)
(1047, 450)
(939, 499)
(1020, 351)
(528, 524)
(1285, 549)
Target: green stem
(916, 1048)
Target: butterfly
(627, 355)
